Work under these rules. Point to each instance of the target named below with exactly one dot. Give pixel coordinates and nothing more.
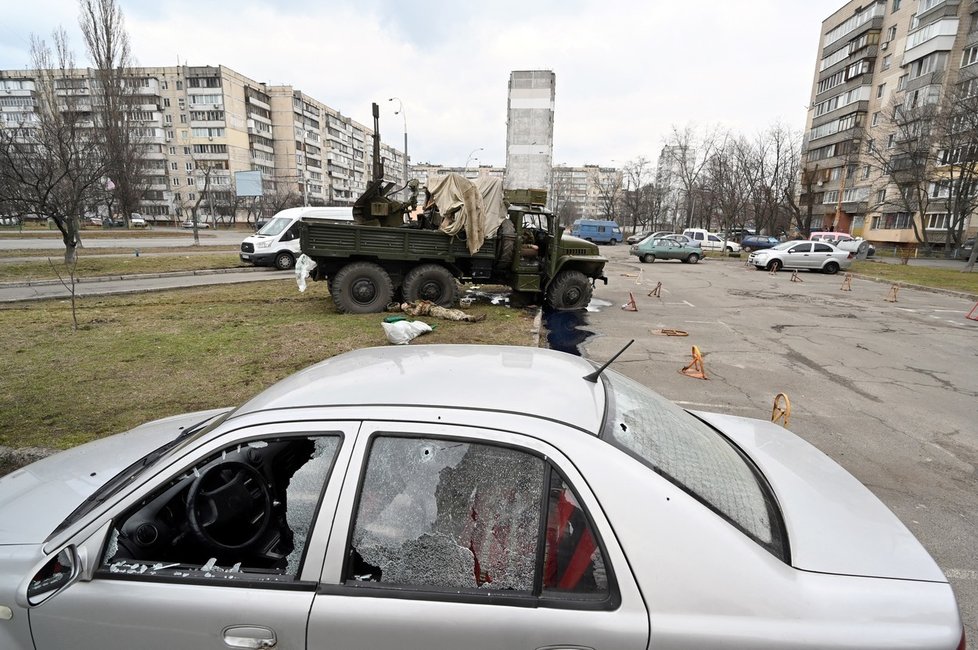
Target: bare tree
(689, 152)
(956, 137)
(609, 184)
(728, 181)
(115, 96)
(637, 199)
(52, 162)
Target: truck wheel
(284, 261)
(569, 291)
(362, 288)
(432, 283)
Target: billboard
(248, 183)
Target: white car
(709, 241)
(456, 496)
(802, 255)
(136, 221)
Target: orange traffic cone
(695, 367)
(630, 305)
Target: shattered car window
(247, 510)
(448, 514)
(695, 457)
(572, 562)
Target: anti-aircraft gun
(375, 207)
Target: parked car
(710, 241)
(737, 234)
(757, 242)
(95, 221)
(660, 248)
(544, 501)
(190, 224)
(846, 242)
(108, 222)
(799, 255)
(137, 221)
(9, 221)
(599, 231)
(966, 248)
(634, 239)
(683, 239)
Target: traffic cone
(630, 305)
(695, 367)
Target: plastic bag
(403, 331)
(303, 267)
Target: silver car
(802, 255)
(470, 497)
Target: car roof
(531, 381)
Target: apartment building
(584, 191)
(874, 60)
(201, 124)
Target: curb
(906, 285)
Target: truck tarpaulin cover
(477, 208)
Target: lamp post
(472, 156)
(400, 109)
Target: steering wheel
(229, 506)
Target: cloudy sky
(627, 70)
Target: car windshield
(275, 226)
(126, 476)
(695, 457)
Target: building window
(879, 90)
(896, 5)
(169, 134)
(168, 119)
(186, 151)
(189, 166)
(938, 221)
(175, 181)
(166, 102)
(179, 85)
(173, 151)
(969, 56)
(183, 118)
(866, 171)
(173, 166)
(902, 82)
(164, 85)
(891, 33)
(881, 196)
(876, 118)
(887, 60)
(890, 141)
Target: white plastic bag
(402, 331)
(303, 267)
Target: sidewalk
(135, 283)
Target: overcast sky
(627, 70)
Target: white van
(709, 241)
(277, 243)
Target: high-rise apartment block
(875, 60)
(195, 118)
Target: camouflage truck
(368, 267)
(384, 256)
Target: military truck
(383, 256)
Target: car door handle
(249, 636)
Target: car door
(799, 256)
(458, 537)
(671, 250)
(821, 254)
(149, 588)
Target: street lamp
(400, 109)
(471, 156)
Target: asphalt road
(175, 237)
(887, 389)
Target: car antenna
(593, 377)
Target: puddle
(565, 330)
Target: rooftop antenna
(593, 377)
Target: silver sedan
(459, 497)
(802, 255)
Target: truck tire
(569, 291)
(284, 261)
(362, 288)
(431, 282)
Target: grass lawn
(951, 279)
(141, 357)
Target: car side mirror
(56, 574)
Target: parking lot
(887, 389)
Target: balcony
(259, 103)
